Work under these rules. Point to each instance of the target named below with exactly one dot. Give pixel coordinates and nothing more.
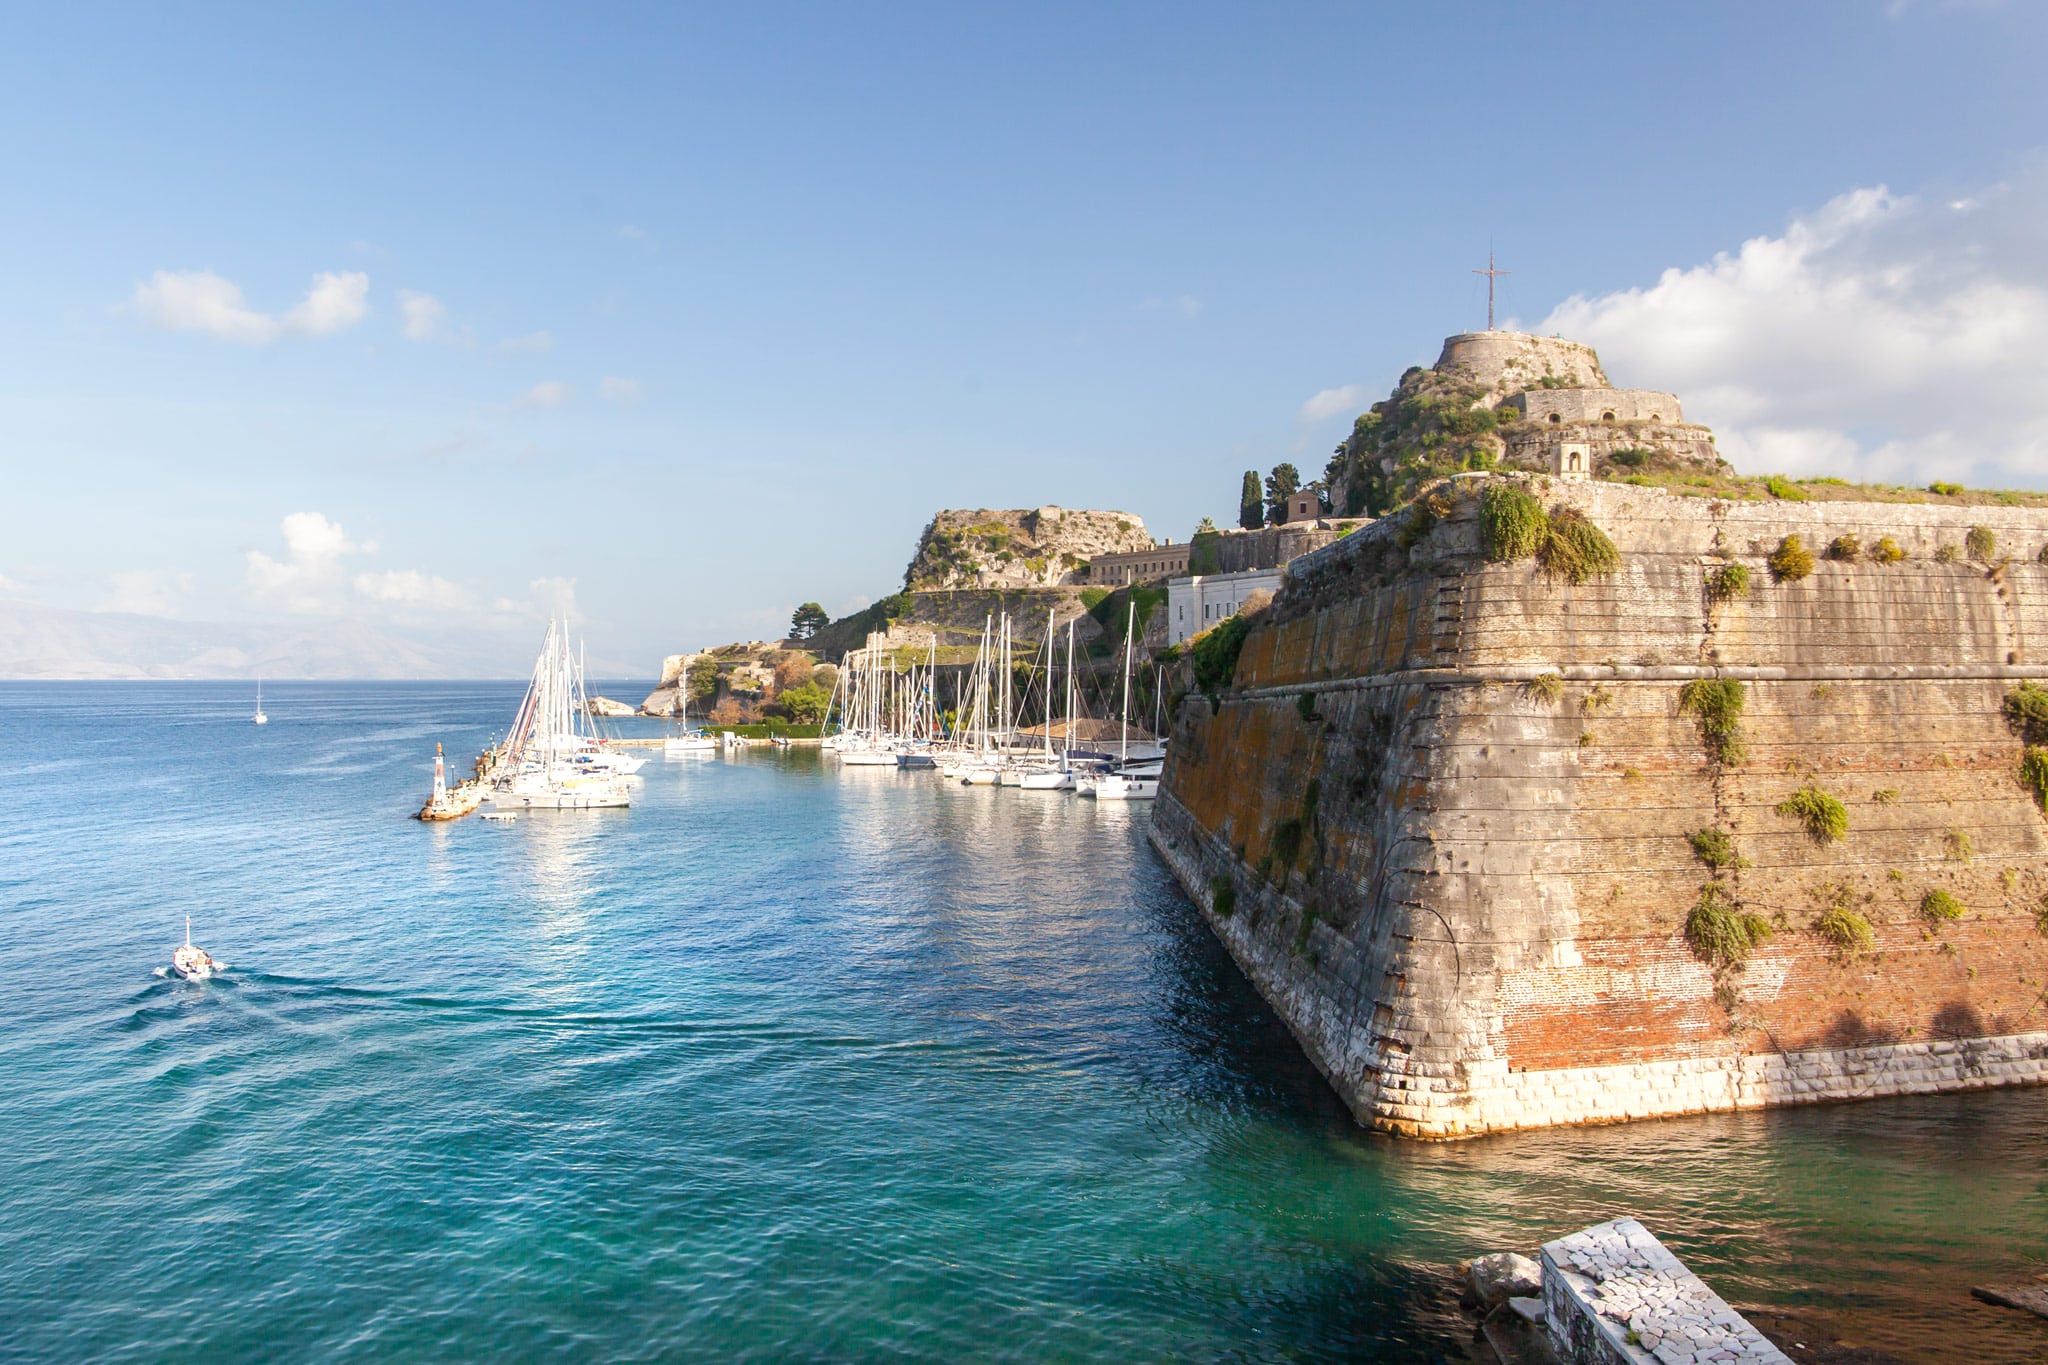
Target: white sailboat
(193, 963)
(259, 718)
(685, 740)
(1133, 780)
(546, 762)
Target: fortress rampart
(1596, 405)
(1444, 817)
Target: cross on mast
(1490, 274)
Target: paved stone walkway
(1612, 1293)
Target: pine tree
(1251, 506)
(1284, 479)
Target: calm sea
(783, 1062)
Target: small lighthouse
(440, 778)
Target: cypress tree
(1251, 502)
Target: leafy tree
(1284, 479)
(1251, 506)
(807, 620)
(806, 704)
(703, 681)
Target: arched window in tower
(1607, 417)
(1555, 419)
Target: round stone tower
(1510, 362)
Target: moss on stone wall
(1824, 817)
(1717, 704)
(1512, 522)
(1720, 931)
(1574, 549)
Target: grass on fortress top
(1769, 487)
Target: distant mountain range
(54, 642)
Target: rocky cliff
(1513, 842)
(1036, 548)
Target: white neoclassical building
(1195, 603)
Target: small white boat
(259, 717)
(504, 815)
(193, 963)
(1131, 786)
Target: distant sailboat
(259, 717)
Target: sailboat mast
(1130, 624)
(1068, 747)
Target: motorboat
(500, 815)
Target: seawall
(1442, 819)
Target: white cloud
(554, 596)
(550, 393)
(145, 592)
(619, 390)
(425, 316)
(1331, 402)
(1883, 337)
(1186, 307)
(201, 301)
(533, 343)
(634, 234)
(9, 584)
(410, 587)
(314, 549)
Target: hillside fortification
(1547, 801)
(1510, 400)
(1039, 547)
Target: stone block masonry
(1613, 1295)
(1453, 801)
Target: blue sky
(433, 316)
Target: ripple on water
(782, 1063)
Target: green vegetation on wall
(1825, 818)
(1728, 582)
(1215, 653)
(1791, 561)
(1886, 551)
(1512, 523)
(2026, 711)
(1846, 930)
(1222, 897)
(1716, 848)
(1720, 931)
(1938, 906)
(1575, 549)
(2034, 773)
(1717, 704)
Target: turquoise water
(783, 1062)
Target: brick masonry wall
(1467, 895)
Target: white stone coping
(1614, 1293)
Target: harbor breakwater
(1471, 829)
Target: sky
(428, 320)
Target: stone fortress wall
(1596, 405)
(1442, 819)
